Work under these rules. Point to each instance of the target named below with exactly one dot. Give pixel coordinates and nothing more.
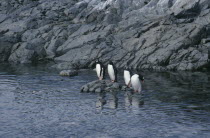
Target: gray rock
(5, 50)
(98, 90)
(68, 73)
(115, 86)
(60, 36)
(99, 86)
(149, 34)
(63, 66)
(84, 89)
(186, 8)
(125, 88)
(204, 41)
(22, 54)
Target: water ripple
(36, 103)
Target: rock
(204, 41)
(149, 34)
(63, 66)
(99, 86)
(60, 36)
(186, 8)
(115, 86)
(5, 49)
(84, 89)
(23, 55)
(68, 73)
(98, 90)
(125, 88)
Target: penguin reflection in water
(136, 80)
(133, 99)
(100, 70)
(112, 71)
(109, 99)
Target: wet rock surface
(99, 86)
(149, 34)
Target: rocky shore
(145, 34)
(99, 86)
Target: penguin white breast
(127, 77)
(136, 82)
(98, 69)
(111, 72)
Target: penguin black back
(141, 77)
(128, 69)
(102, 73)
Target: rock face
(99, 86)
(145, 34)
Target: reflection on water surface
(35, 101)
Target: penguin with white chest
(127, 77)
(135, 82)
(100, 70)
(112, 71)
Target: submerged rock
(69, 73)
(101, 86)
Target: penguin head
(141, 77)
(110, 63)
(98, 61)
(126, 68)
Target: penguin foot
(101, 78)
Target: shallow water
(37, 102)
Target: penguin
(100, 70)
(135, 82)
(112, 71)
(127, 76)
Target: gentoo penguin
(127, 76)
(100, 70)
(135, 82)
(112, 71)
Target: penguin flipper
(102, 71)
(129, 84)
(115, 72)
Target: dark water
(36, 102)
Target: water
(37, 102)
